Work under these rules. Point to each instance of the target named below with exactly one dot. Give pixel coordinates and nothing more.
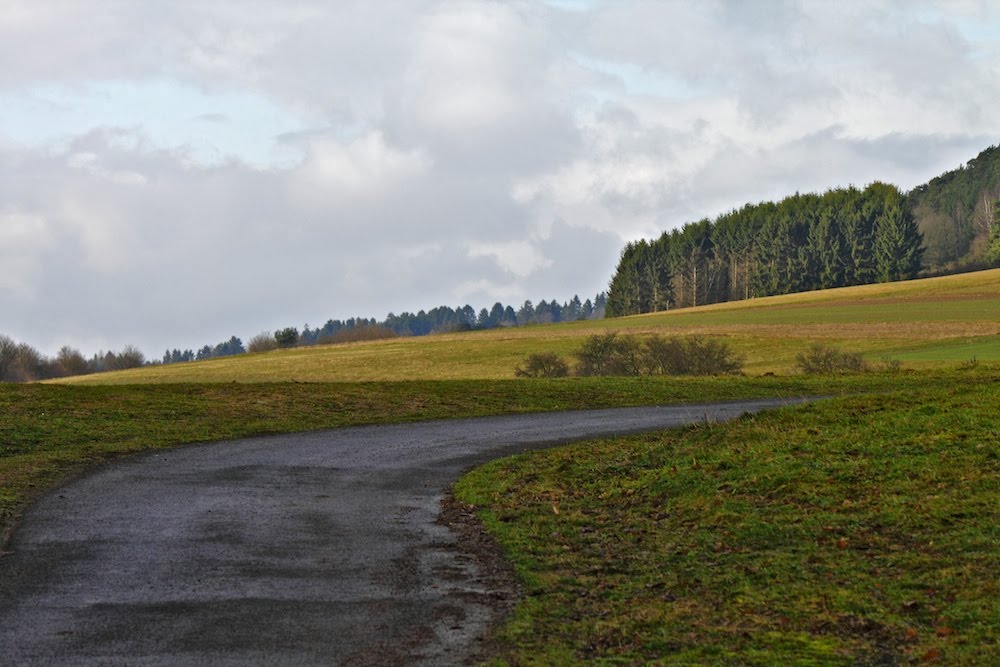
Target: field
(925, 323)
(857, 530)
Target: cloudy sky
(173, 173)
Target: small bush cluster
(357, 334)
(614, 354)
(821, 359)
(543, 365)
(610, 354)
(693, 355)
(262, 342)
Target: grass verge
(859, 530)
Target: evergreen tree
(824, 251)
(898, 246)
(623, 292)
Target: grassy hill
(925, 323)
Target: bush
(543, 365)
(694, 355)
(609, 354)
(821, 359)
(262, 342)
(356, 334)
(612, 354)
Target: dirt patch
(497, 573)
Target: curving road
(316, 548)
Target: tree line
(20, 362)
(804, 242)
(224, 349)
(445, 319)
(442, 319)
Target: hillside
(930, 322)
(955, 212)
(809, 241)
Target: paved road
(316, 548)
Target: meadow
(860, 529)
(925, 323)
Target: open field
(856, 531)
(925, 323)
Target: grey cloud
(438, 130)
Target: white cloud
(367, 165)
(521, 258)
(178, 172)
(24, 238)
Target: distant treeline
(811, 241)
(442, 319)
(803, 242)
(956, 212)
(20, 362)
(224, 349)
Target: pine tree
(898, 246)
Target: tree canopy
(803, 242)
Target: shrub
(262, 342)
(612, 354)
(821, 359)
(694, 355)
(543, 365)
(356, 334)
(609, 354)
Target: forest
(842, 237)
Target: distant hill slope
(928, 322)
(955, 212)
(842, 237)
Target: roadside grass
(48, 433)
(860, 530)
(916, 318)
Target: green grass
(50, 432)
(860, 530)
(915, 320)
(960, 350)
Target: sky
(173, 173)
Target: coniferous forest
(842, 237)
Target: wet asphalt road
(316, 548)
